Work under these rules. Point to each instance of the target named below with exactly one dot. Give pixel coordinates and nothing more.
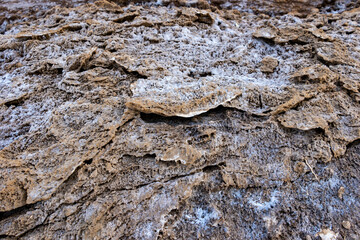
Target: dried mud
(181, 120)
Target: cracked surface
(182, 120)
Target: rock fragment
(315, 74)
(172, 96)
(204, 18)
(341, 192)
(266, 32)
(346, 224)
(335, 53)
(128, 17)
(268, 64)
(327, 234)
(150, 120)
(186, 154)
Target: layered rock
(173, 122)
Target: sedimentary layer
(189, 120)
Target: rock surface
(181, 120)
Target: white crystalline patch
(148, 231)
(327, 234)
(5, 79)
(270, 221)
(12, 87)
(266, 205)
(91, 211)
(203, 217)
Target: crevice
(266, 41)
(175, 120)
(352, 144)
(107, 144)
(6, 236)
(153, 156)
(205, 169)
(135, 74)
(31, 230)
(89, 161)
(17, 211)
(152, 182)
(260, 102)
(298, 41)
(16, 102)
(174, 178)
(219, 112)
(126, 18)
(318, 131)
(199, 74)
(168, 164)
(321, 60)
(212, 168)
(155, 118)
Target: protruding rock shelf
(180, 120)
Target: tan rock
(186, 154)
(346, 224)
(268, 64)
(341, 192)
(267, 32)
(315, 74)
(327, 234)
(172, 96)
(335, 53)
(300, 167)
(154, 120)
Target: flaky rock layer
(181, 120)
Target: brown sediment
(181, 120)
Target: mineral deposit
(186, 119)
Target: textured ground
(181, 120)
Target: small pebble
(346, 224)
(341, 192)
